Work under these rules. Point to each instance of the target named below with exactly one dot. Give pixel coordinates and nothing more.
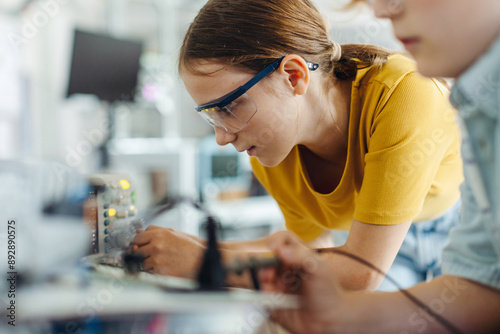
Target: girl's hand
(169, 252)
(310, 276)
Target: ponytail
(358, 56)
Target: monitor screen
(104, 66)
(225, 165)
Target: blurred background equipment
(108, 68)
(50, 236)
(224, 173)
(104, 66)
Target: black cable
(167, 203)
(448, 325)
(255, 279)
(163, 205)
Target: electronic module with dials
(111, 213)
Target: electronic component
(111, 213)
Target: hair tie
(335, 52)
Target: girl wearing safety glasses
(346, 138)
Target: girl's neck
(326, 119)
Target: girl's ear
(295, 67)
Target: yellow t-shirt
(403, 160)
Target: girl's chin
(268, 162)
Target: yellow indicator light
(132, 208)
(125, 184)
(111, 212)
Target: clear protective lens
(232, 117)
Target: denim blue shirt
(474, 248)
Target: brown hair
(253, 33)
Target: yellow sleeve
(410, 132)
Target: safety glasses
(234, 110)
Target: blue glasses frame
(230, 97)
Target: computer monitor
(104, 66)
(224, 173)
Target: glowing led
(125, 184)
(111, 212)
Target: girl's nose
(222, 137)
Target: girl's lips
(409, 43)
(251, 151)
